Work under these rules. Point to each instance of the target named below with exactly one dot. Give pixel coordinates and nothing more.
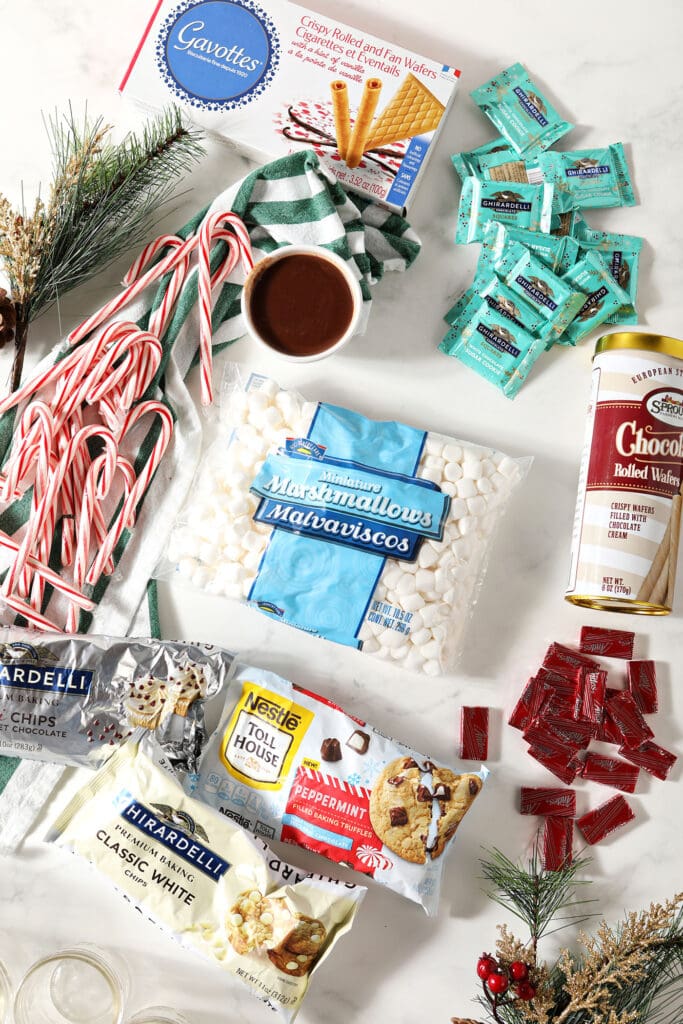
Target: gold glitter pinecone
(8, 318)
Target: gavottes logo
(218, 54)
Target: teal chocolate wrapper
(520, 111)
(588, 178)
(494, 347)
(470, 164)
(622, 255)
(555, 297)
(524, 206)
(503, 301)
(592, 276)
(557, 253)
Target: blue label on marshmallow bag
(345, 503)
(218, 54)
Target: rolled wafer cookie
(342, 119)
(658, 592)
(653, 575)
(358, 142)
(414, 110)
(673, 549)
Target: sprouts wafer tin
(628, 513)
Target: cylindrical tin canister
(628, 512)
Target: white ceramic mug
(309, 250)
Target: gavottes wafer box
(272, 78)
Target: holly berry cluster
(499, 978)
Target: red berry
(518, 971)
(485, 965)
(498, 983)
(525, 991)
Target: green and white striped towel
(294, 200)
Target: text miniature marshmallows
(411, 609)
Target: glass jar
(73, 986)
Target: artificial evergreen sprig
(628, 974)
(100, 201)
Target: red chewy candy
(628, 719)
(642, 682)
(562, 766)
(605, 819)
(593, 696)
(474, 733)
(566, 662)
(650, 756)
(560, 684)
(557, 842)
(610, 771)
(610, 643)
(529, 704)
(546, 800)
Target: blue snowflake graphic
(353, 779)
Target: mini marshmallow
(427, 556)
(466, 525)
(434, 462)
(484, 485)
(466, 488)
(432, 649)
(477, 506)
(407, 584)
(268, 387)
(449, 489)
(471, 470)
(433, 446)
(431, 474)
(458, 508)
(391, 638)
(452, 472)
(431, 614)
(391, 576)
(370, 645)
(421, 637)
(411, 602)
(424, 580)
(258, 401)
(453, 453)
(413, 659)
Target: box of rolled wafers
(274, 78)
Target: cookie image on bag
(297, 952)
(147, 703)
(416, 810)
(250, 922)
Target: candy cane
(126, 516)
(41, 380)
(49, 575)
(148, 254)
(133, 290)
(33, 616)
(160, 317)
(208, 229)
(36, 522)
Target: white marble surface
(614, 68)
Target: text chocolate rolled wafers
(628, 512)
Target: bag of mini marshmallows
(372, 534)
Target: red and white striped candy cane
(148, 254)
(34, 617)
(48, 575)
(126, 517)
(132, 291)
(209, 227)
(36, 522)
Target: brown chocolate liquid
(301, 304)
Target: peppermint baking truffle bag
(372, 534)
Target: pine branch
(100, 203)
(534, 895)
